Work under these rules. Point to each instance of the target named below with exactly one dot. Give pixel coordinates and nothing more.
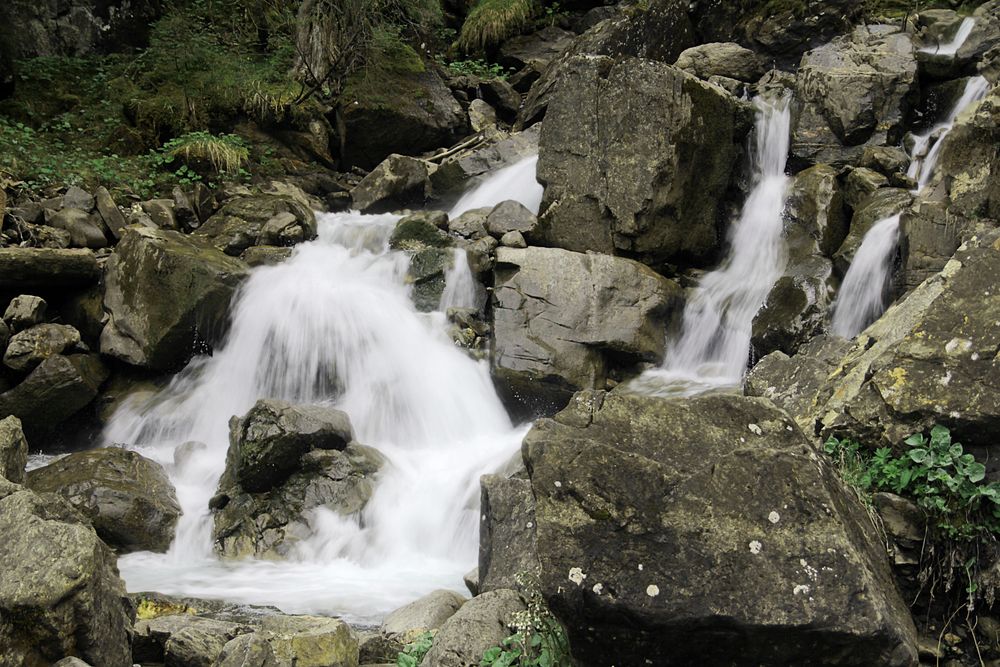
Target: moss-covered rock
(164, 293)
(247, 221)
(126, 497)
(304, 641)
(13, 450)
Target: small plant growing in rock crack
(414, 652)
(540, 640)
(962, 508)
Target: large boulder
(32, 346)
(782, 30)
(853, 92)
(482, 623)
(637, 158)
(406, 112)
(165, 292)
(57, 389)
(127, 498)
(964, 189)
(431, 256)
(13, 450)
(303, 641)
(183, 639)
(930, 359)
(552, 333)
(285, 461)
(397, 182)
(706, 531)
(425, 614)
(259, 220)
(60, 593)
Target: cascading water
(863, 296)
(459, 284)
(515, 182)
(333, 324)
(715, 338)
(922, 160)
(951, 47)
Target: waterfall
(863, 296)
(333, 324)
(951, 48)
(515, 182)
(459, 284)
(922, 161)
(714, 343)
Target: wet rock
(928, 360)
(853, 92)
(620, 176)
(552, 335)
(22, 268)
(25, 311)
(127, 498)
(269, 440)
(303, 641)
(880, 205)
(814, 226)
(506, 532)
(704, 528)
(422, 615)
(481, 623)
(793, 382)
(431, 257)
(34, 345)
(60, 594)
(453, 176)
(56, 390)
(260, 219)
(397, 182)
(164, 291)
(721, 59)
(284, 461)
(265, 255)
(13, 450)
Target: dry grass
(492, 21)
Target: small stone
(513, 239)
(24, 311)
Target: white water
(863, 296)
(924, 161)
(714, 343)
(950, 48)
(333, 324)
(459, 284)
(515, 182)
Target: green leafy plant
(478, 68)
(540, 640)
(414, 652)
(226, 153)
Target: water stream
(712, 349)
(864, 294)
(334, 324)
(515, 182)
(951, 47)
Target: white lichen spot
(577, 576)
(755, 547)
(529, 525)
(598, 588)
(958, 345)
(945, 380)
(801, 589)
(756, 430)
(742, 439)
(774, 517)
(974, 356)
(652, 590)
(954, 414)
(558, 484)
(640, 567)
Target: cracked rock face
(706, 531)
(637, 158)
(552, 333)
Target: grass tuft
(492, 21)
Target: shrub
(226, 153)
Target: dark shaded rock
(552, 335)
(164, 291)
(25, 311)
(506, 532)
(260, 219)
(52, 393)
(637, 158)
(721, 59)
(22, 268)
(83, 233)
(60, 594)
(706, 530)
(183, 639)
(34, 345)
(127, 497)
(397, 182)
